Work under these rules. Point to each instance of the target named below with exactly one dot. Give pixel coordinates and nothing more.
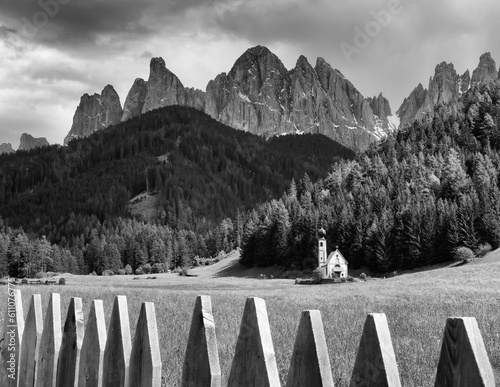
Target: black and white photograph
(249, 193)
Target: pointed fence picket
(201, 363)
(30, 346)
(118, 346)
(94, 343)
(50, 344)
(90, 355)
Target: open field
(416, 306)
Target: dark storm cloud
(84, 22)
(75, 23)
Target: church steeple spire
(322, 255)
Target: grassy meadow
(416, 306)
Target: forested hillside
(409, 201)
(203, 177)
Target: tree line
(201, 176)
(409, 201)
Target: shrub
(50, 274)
(40, 275)
(128, 270)
(146, 268)
(120, 272)
(343, 280)
(363, 276)
(183, 271)
(139, 271)
(483, 249)
(463, 254)
(62, 281)
(107, 273)
(93, 273)
(262, 276)
(157, 268)
(350, 279)
(317, 275)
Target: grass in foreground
(416, 306)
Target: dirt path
(230, 267)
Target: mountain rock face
(94, 113)
(164, 88)
(253, 95)
(380, 106)
(383, 115)
(135, 100)
(486, 71)
(261, 96)
(6, 148)
(195, 98)
(29, 142)
(445, 88)
(465, 82)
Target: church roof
(334, 254)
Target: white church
(333, 265)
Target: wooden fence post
(375, 362)
(201, 363)
(94, 342)
(118, 346)
(145, 360)
(254, 362)
(463, 360)
(50, 344)
(69, 355)
(310, 364)
(13, 328)
(30, 347)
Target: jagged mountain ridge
(258, 95)
(27, 143)
(445, 88)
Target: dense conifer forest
(68, 208)
(409, 201)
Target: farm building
(333, 265)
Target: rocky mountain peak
(163, 88)
(6, 148)
(412, 105)
(486, 71)
(29, 142)
(380, 106)
(94, 113)
(135, 100)
(443, 88)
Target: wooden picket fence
(79, 355)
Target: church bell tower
(322, 248)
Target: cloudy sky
(53, 51)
